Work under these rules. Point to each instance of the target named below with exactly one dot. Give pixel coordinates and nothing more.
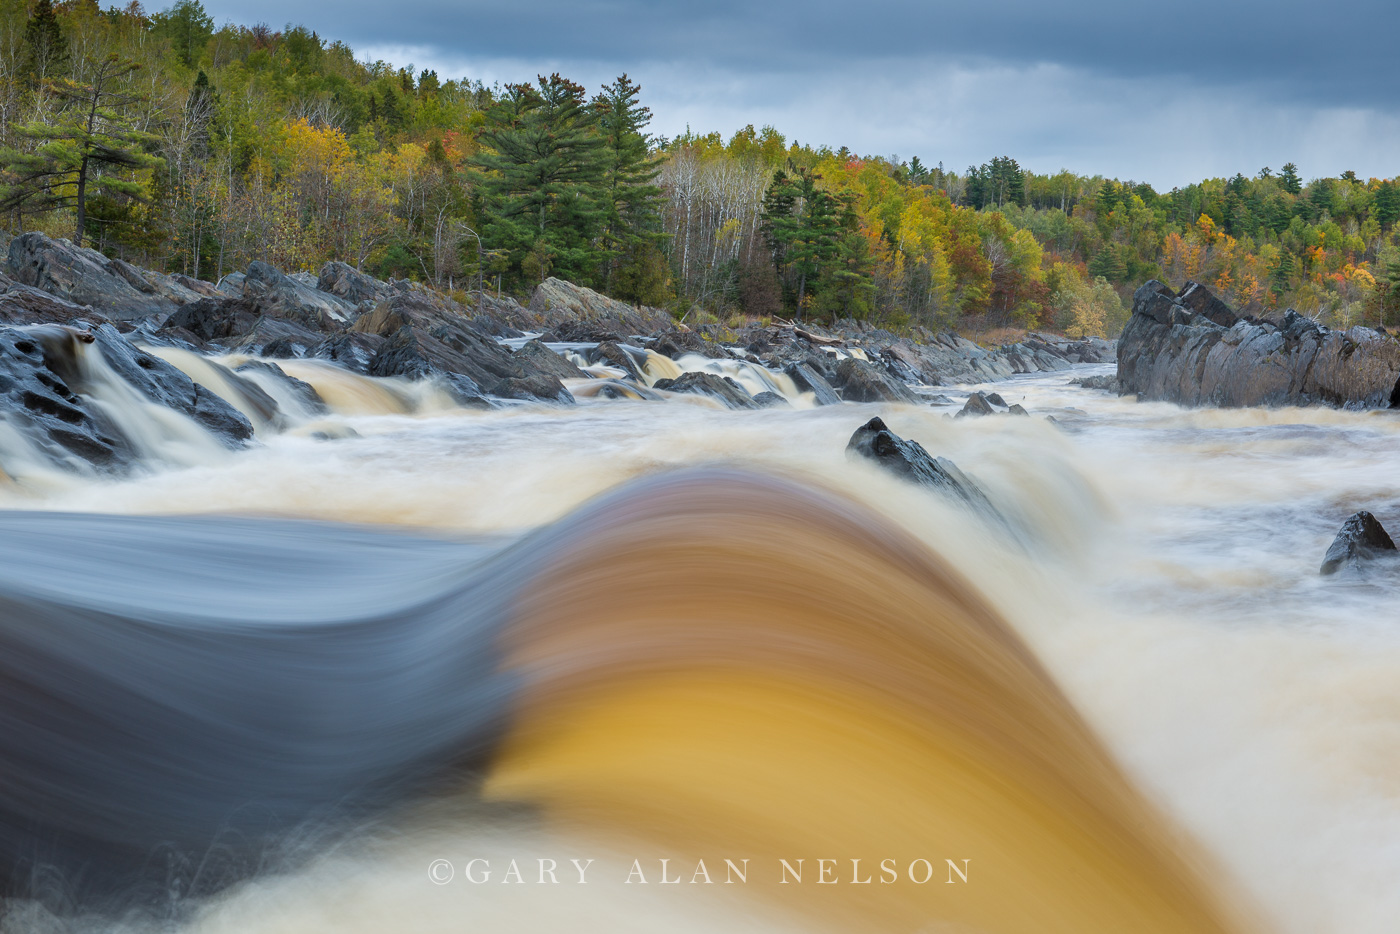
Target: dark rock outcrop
(807, 379)
(84, 276)
(1174, 352)
(676, 344)
(346, 282)
(281, 296)
(423, 339)
(63, 428)
(49, 387)
(23, 304)
(720, 387)
(874, 441)
(977, 404)
(1361, 538)
(167, 386)
(861, 381)
(543, 360)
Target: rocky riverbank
(1191, 348)
(568, 343)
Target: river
(729, 641)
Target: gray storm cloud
(1163, 94)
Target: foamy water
(1166, 575)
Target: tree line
(178, 145)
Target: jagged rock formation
(1190, 348)
(1361, 538)
(51, 387)
(86, 277)
(908, 459)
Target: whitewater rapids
(644, 630)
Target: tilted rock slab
(1190, 348)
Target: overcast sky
(1162, 92)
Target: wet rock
(301, 390)
(809, 380)
(211, 319)
(349, 349)
(908, 459)
(1106, 383)
(677, 344)
(402, 355)
(720, 387)
(1174, 352)
(423, 337)
(166, 385)
(995, 399)
(771, 400)
(860, 381)
(977, 405)
(1016, 409)
(280, 296)
(1361, 538)
(612, 353)
(64, 428)
(544, 360)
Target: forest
(180, 145)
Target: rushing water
(704, 634)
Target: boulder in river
(1361, 538)
(807, 379)
(544, 360)
(722, 388)
(908, 459)
(861, 381)
(977, 405)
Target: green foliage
(46, 49)
(541, 177)
(188, 29)
(89, 147)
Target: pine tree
(187, 26)
(803, 226)
(632, 215)
(541, 173)
(1386, 207)
(81, 148)
(46, 49)
(1290, 180)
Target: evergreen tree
(81, 148)
(1290, 180)
(1109, 263)
(1386, 207)
(45, 48)
(541, 175)
(188, 27)
(803, 226)
(632, 213)
(918, 172)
